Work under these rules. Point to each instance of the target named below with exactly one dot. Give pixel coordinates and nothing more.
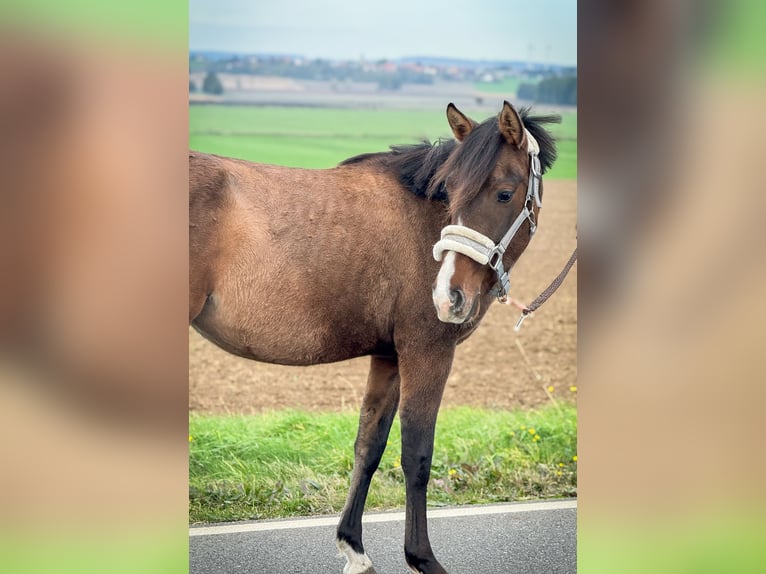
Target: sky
(543, 31)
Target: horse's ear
(511, 126)
(461, 124)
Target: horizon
(414, 57)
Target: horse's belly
(285, 335)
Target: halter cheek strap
(482, 249)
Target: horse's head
(493, 180)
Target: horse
(394, 255)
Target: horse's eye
(504, 196)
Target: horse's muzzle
(456, 308)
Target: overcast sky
(537, 30)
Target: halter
(481, 248)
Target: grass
(321, 138)
(290, 463)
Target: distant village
(214, 73)
(415, 70)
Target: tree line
(561, 90)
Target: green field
(507, 86)
(320, 137)
(290, 463)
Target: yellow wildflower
(561, 465)
(550, 388)
(574, 458)
(190, 438)
(397, 462)
(452, 472)
(558, 473)
(573, 389)
(536, 438)
(532, 431)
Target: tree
(527, 91)
(212, 85)
(558, 90)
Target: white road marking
(433, 513)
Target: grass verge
(291, 463)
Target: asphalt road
(523, 538)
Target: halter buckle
(496, 257)
(532, 222)
(535, 167)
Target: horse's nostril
(457, 299)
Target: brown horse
(300, 266)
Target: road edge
(433, 513)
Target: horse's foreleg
(381, 398)
(423, 379)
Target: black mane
(418, 167)
(414, 165)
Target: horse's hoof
(356, 563)
(352, 569)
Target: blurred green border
(114, 546)
(163, 23)
(736, 43)
(705, 541)
(147, 552)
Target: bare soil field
(496, 367)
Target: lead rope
(545, 295)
